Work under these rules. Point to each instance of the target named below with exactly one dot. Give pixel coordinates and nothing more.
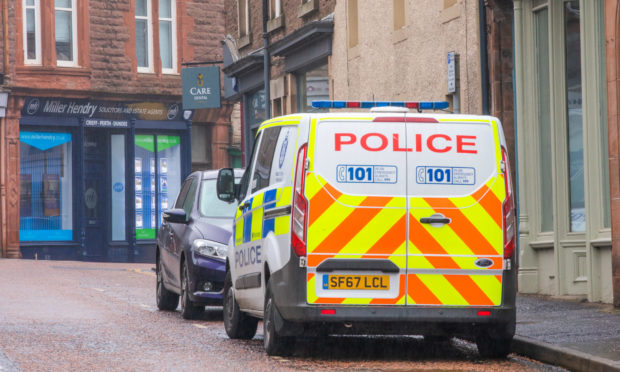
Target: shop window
(312, 85)
(167, 36)
(117, 183)
(574, 113)
(606, 207)
(157, 180)
(541, 20)
(65, 32)
(46, 209)
(144, 36)
(352, 20)
(32, 31)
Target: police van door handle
(436, 220)
(242, 206)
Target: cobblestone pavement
(59, 316)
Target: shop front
(95, 176)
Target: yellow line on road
(149, 273)
(199, 326)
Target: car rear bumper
(297, 316)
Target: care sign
(201, 87)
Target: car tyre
(188, 309)
(166, 300)
(238, 325)
(275, 344)
(493, 343)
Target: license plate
(371, 282)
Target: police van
(391, 221)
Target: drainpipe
(266, 65)
(5, 33)
(3, 123)
(484, 57)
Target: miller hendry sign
(201, 87)
(104, 113)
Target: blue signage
(118, 187)
(44, 140)
(201, 87)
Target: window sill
(450, 13)
(275, 24)
(53, 70)
(307, 8)
(399, 35)
(354, 52)
(244, 41)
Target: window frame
(74, 41)
(173, 35)
(37, 31)
(149, 39)
(275, 9)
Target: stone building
(94, 142)
(299, 39)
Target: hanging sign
(201, 87)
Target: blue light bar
(438, 105)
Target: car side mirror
(225, 188)
(176, 215)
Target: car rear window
(210, 205)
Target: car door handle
(436, 219)
(242, 206)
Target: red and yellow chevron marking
(314, 299)
(454, 290)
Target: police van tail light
(508, 209)
(299, 214)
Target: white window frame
(74, 47)
(37, 32)
(149, 31)
(173, 25)
(245, 4)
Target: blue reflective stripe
(269, 226)
(269, 197)
(247, 222)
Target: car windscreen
(210, 205)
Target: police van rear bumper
(296, 316)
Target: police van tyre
(493, 343)
(166, 300)
(238, 325)
(188, 309)
(275, 344)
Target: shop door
(95, 150)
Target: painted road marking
(149, 273)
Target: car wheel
(166, 300)
(188, 309)
(275, 344)
(493, 343)
(238, 325)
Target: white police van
(391, 221)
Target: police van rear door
(357, 219)
(455, 194)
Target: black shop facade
(95, 176)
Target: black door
(95, 196)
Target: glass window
(167, 36)
(541, 19)
(117, 182)
(399, 14)
(183, 194)
(144, 54)
(275, 9)
(262, 169)
(312, 85)
(210, 205)
(244, 19)
(65, 31)
(191, 196)
(32, 32)
(575, 112)
(352, 22)
(46, 208)
(245, 180)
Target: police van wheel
(275, 344)
(237, 324)
(493, 345)
(188, 309)
(166, 300)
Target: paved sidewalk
(580, 336)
